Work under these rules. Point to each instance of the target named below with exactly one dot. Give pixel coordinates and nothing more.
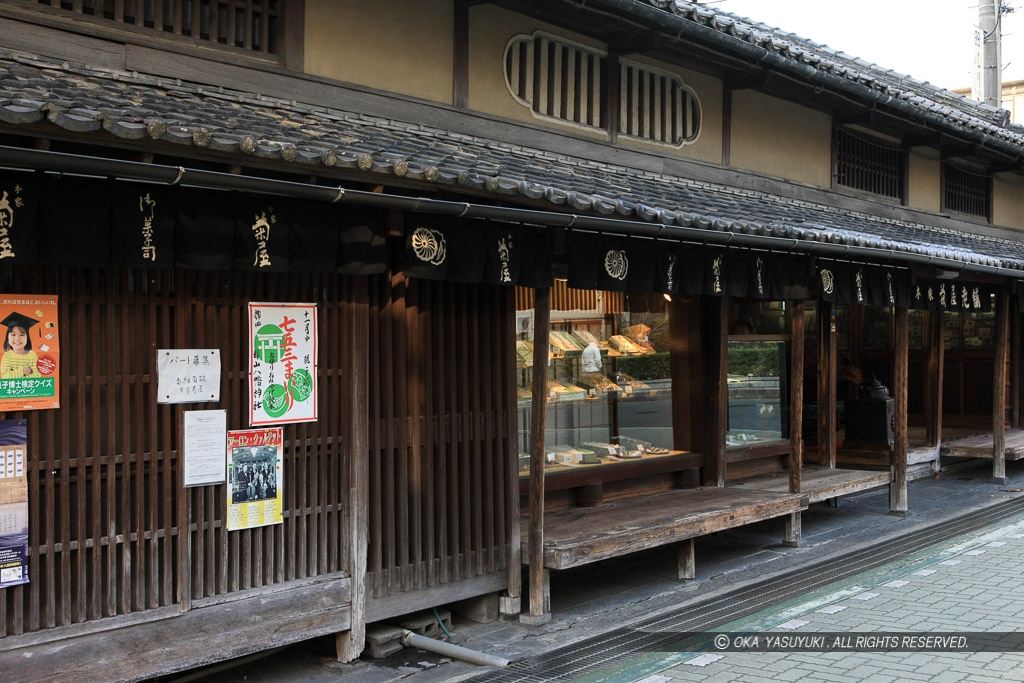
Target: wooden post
(999, 390)
(510, 604)
(898, 486)
(540, 607)
(184, 595)
(826, 384)
(1015, 362)
(460, 57)
(349, 644)
(933, 379)
(686, 561)
(796, 413)
(718, 390)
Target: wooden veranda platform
(980, 446)
(579, 536)
(822, 483)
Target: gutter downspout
(61, 162)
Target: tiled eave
(959, 113)
(104, 107)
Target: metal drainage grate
(656, 633)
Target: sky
(931, 40)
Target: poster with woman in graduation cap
(29, 366)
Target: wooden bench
(579, 536)
(980, 446)
(821, 483)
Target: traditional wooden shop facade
(737, 219)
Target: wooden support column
(718, 389)
(689, 397)
(460, 56)
(540, 602)
(510, 602)
(933, 379)
(1015, 363)
(827, 384)
(999, 390)
(687, 560)
(796, 413)
(350, 643)
(901, 362)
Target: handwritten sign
(206, 433)
(188, 375)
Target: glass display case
(757, 392)
(609, 386)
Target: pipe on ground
(440, 647)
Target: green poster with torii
(282, 363)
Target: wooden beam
(687, 365)
(460, 57)
(717, 389)
(1015, 363)
(999, 390)
(796, 415)
(796, 394)
(826, 384)
(933, 378)
(292, 35)
(901, 361)
(540, 607)
(350, 643)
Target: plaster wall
(924, 188)
(1008, 200)
(401, 46)
(779, 138)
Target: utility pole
(991, 60)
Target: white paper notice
(188, 375)
(205, 438)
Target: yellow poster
(30, 364)
(255, 477)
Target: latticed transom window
(248, 24)
(869, 164)
(567, 82)
(655, 105)
(966, 190)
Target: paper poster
(255, 477)
(188, 375)
(13, 503)
(205, 435)
(282, 363)
(30, 365)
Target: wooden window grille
(867, 164)
(655, 106)
(965, 190)
(565, 298)
(247, 24)
(556, 79)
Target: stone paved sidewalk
(966, 585)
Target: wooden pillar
(510, 603)
(933, 379)
(350, 643)
(999, 390)
(460, 56)
(718, 390)
(827, 353)
(796, 413)
(1015, 363)
(901, 362)
(689, 397)
(540, 606)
